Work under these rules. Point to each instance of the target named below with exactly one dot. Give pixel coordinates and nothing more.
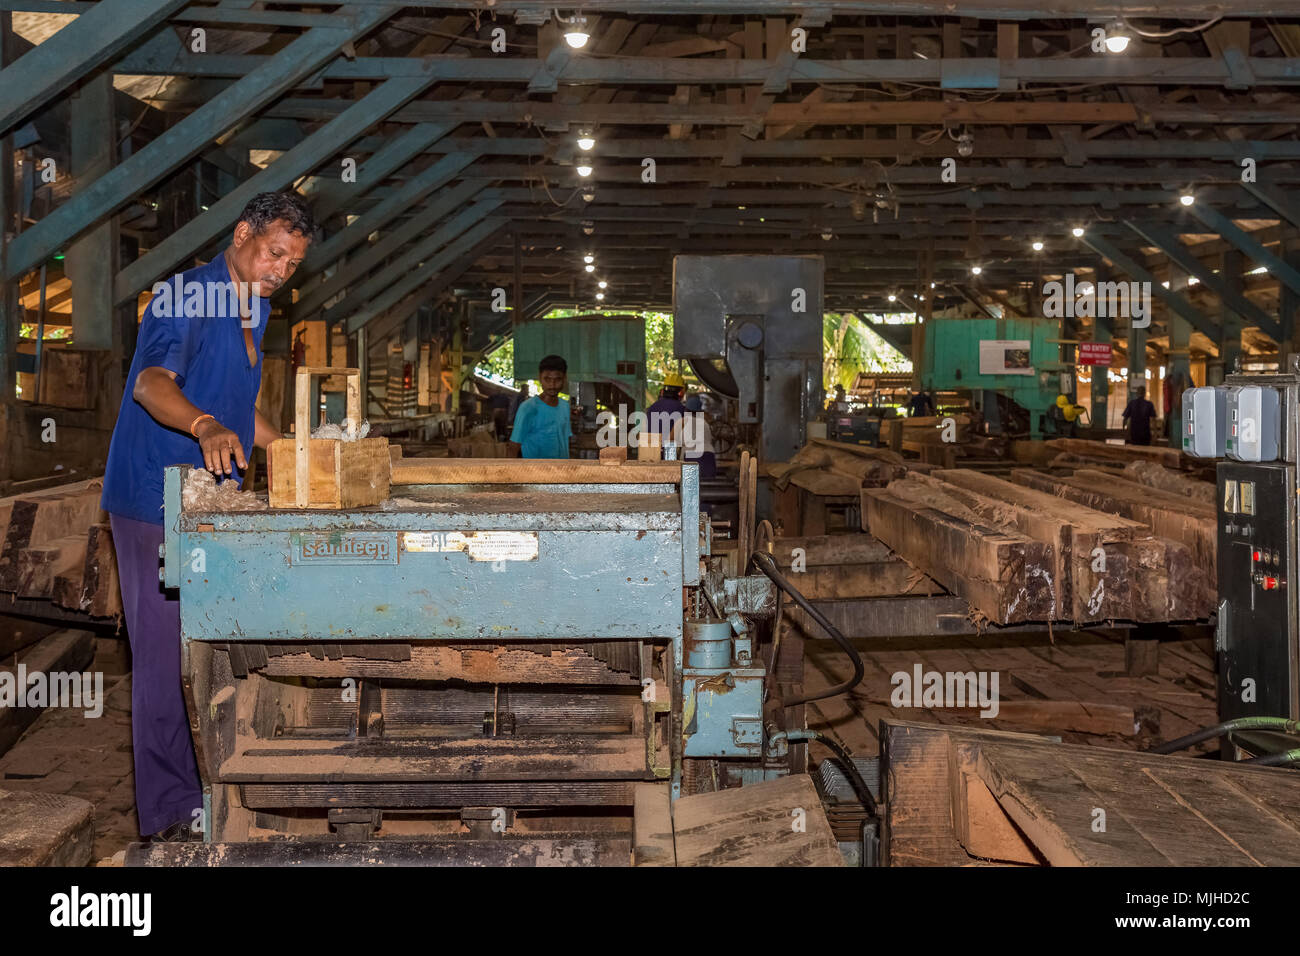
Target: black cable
(1283, 758)
(768, 566)
(1278, 724)
(851, 772)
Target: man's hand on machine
(219, 443)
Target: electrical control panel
(1254, 636)
(1204, 422)
(1254, 425)
(1241, 422)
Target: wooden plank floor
(1086, 666)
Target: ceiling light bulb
(827, 235)
(975, 270)
(965, 144)
(1187, 199)
(892, 297)
(588, 196)
(602, 283)
(576, 35)
(1077, 231)
(590, 268)
(588, 258)
(586, 140)
(584, 170)
(931, 285)
(600, 295)
(1117, 38)
(1038, 245)
(588, 228)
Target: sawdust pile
(202, 493)
(347, 431)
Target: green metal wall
(594, 346)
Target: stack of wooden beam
(1033, 549)
(56, 545)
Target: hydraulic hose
(767, 565)
(1283, 758)
(1281, 724)
(851, 771)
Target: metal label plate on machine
(479, 545)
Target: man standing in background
(668, 409)
(543, 424)
(1137, 418)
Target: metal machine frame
(581, 603)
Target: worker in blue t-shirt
(190, 399)
(542, 424)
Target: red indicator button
(1256, 556)
(1270, 584)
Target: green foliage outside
(848, 345)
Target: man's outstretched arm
(156, 390)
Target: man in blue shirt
(542, 424)
(193, 384)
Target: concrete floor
(63, 751)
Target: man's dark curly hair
(552, 363)
(265, 208)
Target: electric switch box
(1205, 416)
(1254, 423)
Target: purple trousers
(167, 788)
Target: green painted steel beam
(1198, 319)
(182, 142)
(1276, 201)
(97, 36)
(409, 262)
(358, 265)
(334, 196)
(974, 73)
(1225, 227)
(429, 272)
(401, 200)
(1167, 241)
(302, 159)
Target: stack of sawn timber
(1020, 553)
(56, 545)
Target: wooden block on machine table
(343, 474)
(65, 651)
(752, 826)
(38, 519)
(652, 825)
(613, 454)
(40, 564)
(45, 829)
(649, 446)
